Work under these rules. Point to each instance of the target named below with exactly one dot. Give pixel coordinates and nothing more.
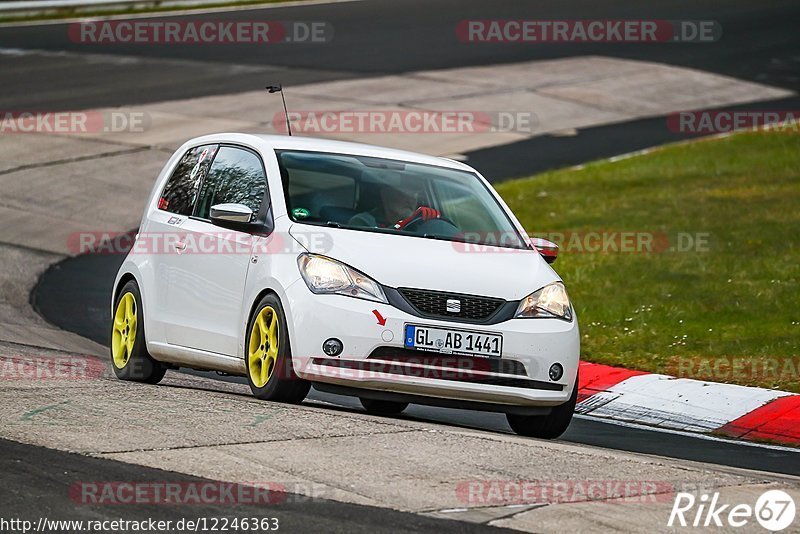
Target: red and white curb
(687, 405)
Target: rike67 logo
(774, 510)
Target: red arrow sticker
(381, 318)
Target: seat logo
(453, 306)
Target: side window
(180, 192)
(236, 176)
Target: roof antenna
(279, 89)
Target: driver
(397, 210)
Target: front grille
(449, 361)
(434, 304)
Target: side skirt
(197, 359)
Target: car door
(164, 231)
(205, 299)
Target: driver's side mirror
(547, 249)
(236, 213)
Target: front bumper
(535, 343)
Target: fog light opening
(556, 372)
(332, 347)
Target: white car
(392, 276)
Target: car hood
(405, 261)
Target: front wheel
(269, 358)
(129, 355)
(548, 426)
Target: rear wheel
(548, 426)
(269, 359)
(382, 407)
(129, 355)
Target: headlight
(550, 301)
(324, 275)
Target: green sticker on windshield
(300, 213)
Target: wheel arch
(124, 279)
(252, 308)
(260, 295)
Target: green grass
(669, 311)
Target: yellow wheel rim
(262, 352)
(124, 333)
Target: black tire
(548, 426)
(383, 407)
(283, 384)
(135, 365)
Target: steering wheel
(417, 225)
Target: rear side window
(236, 176)
(180, 193)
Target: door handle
(180, 246)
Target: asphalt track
(372, 37)
(29, 478)
(760, 43)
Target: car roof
(285, 142)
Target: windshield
(383, 195)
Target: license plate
(451, 341)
